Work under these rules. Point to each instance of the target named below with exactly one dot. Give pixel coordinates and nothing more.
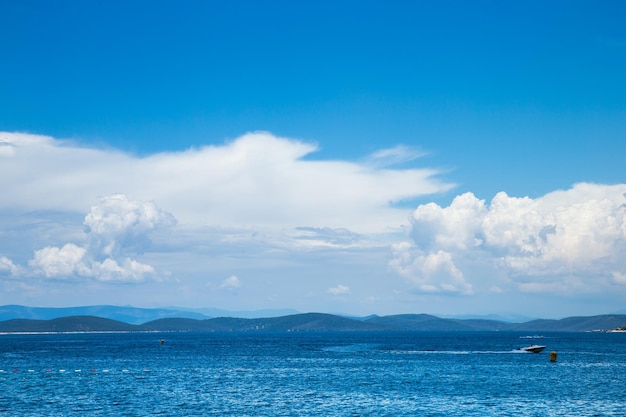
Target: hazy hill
(67, 324)
(574, 324)
(246, 314)
(426, 322)
(296, 322)
(313, 322)
(130, 315)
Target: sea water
(312, 374)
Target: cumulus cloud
(117, 225)
(116, 228)
(339, 290)
(231, 283)
(128, 270)
(570, 240)
(7, 267)
(257, 180)
(67, 261)
(429, 272)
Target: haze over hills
(310, 322)
(66, 325)
(244, 314)
(128, 314)
(136, 315)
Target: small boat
(532, 348)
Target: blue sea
(312, 374)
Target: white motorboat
(533, 348)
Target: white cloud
(231, 283)
(129, 271)
(6, 149)
(396, 155)
(7, 267)
(115, 228)
(328, 237)
(53, 262)
(340, 289)
(117, 225)
(570, 240)
(451, 228)
(619, 277)
(429, 272)
(268, 205)
(256, 181)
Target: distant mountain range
(131, 315)
(177, 322)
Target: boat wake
(456, 352)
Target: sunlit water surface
(312, 374)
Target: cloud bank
(257, 180)
(565, 241)
(262, 207)
(258, 189)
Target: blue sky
(314, 155)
